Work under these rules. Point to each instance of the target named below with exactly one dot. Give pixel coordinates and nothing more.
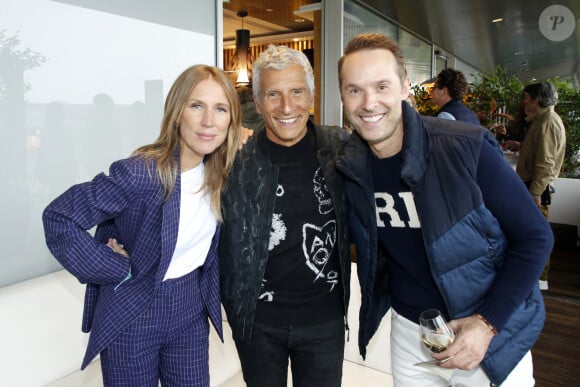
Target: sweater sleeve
(529, 236)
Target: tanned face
(372, 93)
(285, 103)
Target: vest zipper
(491, 252)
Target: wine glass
(435, 333)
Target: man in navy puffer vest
(439, 220)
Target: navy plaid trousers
(168, 342)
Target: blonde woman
(151, 269)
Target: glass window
(469, 71)
(358, 20)
(417, 57)
(82, 83)
(417, 52)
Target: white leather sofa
(42, 344)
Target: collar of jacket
(416, 147)
(540, 112)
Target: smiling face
(372, 93)
(204, 122)
(285, 102)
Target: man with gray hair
(542, 150)
(284, 250)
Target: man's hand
(246, 134)
(511, 145)
(472, 338)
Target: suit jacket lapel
(169, 228)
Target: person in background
(251, 119)
(511, 136)
(448, 92)
(284, 249)
(152, 270)
(541, 153)
(439, 220)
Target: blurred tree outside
(13, 59)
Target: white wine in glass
(436, 342)
(435, 333)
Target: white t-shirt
(197, 225)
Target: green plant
(499, 92)
(495, 94)
(422, 100)
(568, 108)
(498, 95)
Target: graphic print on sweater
(321, 193)
(278, 229)
(267, 296)
(315, 234)
(318, 244)
(396, 209)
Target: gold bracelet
(491, 327)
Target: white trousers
(406, 350)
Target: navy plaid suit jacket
(128, 205)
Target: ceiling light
(242, 57)
(499, 19)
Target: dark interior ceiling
(463, 28)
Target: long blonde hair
(219, 162)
